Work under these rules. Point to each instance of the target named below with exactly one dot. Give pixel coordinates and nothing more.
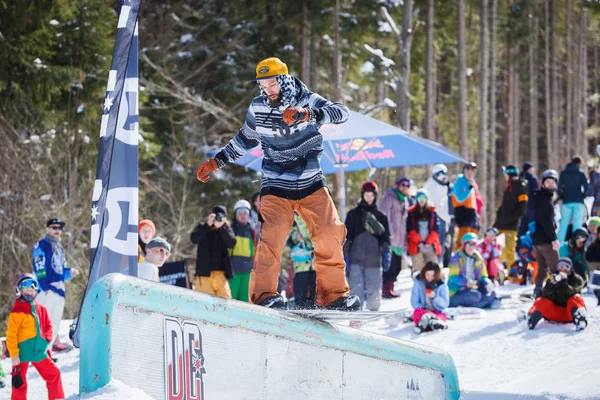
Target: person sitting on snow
(468, 280)
(429, 299)
(560, 300)
(490, 250)
(574, 249)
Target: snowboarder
(27, 337)
(560, 299)
(439, 188)
(367, 247)
(429, 299)
(467, 203)
(285, 120)
(512, 208)
(468, 280)
(395, 205)
(423, 232)
(544, 237)
(242, 254)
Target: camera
(219, 217)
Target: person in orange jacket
(27, 337)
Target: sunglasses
(56, 228)
(470, 244)
(406, 185)
(419, 198)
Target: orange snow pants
(552, 312)
(327, 233)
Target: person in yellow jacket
(27, 337)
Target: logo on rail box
(184, 360)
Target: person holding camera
(560, 300)
(213, 264)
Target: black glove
(17, 381)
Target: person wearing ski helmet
(28, 334)
(395, 204)
(572, 189)
(367, 247)
(560, 300)
(545, 241)
(528, 173)
(438, 186)
(468, 281)
(467, 202)
(510, 212)
(242, 254)
(574, 249)
(52, 272)
(285, 120)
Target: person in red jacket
(27, 337)
(423, 238)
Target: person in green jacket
(302, 253)
(574, 249)
(242, 254)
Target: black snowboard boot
(533, 319)
(345, 303)
(423, 324)
(276, 302)
(437, 324)
(579, 318)
(537, 292)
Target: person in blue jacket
(429, 298)
(50, 268)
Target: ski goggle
(422, 197)
(28, 284)
(470, 243)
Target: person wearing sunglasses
(395, 204)
(560, 300)
(468, 281)
(28, 334)
(574, 249)
(51, 270)
(157, 252)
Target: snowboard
(333, 315)
(460, 313)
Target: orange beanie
(149, 223)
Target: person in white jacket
(438, 187)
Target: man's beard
(277, 101)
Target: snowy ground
(496, 357)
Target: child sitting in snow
(526, 266)
(490, 250)
(429, 299)
(27, 337)
(468, 281)
(561, 299)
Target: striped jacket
(29, 331)
(292, 153)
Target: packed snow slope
(497, 358)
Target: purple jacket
(397, 213)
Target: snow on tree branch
(386, 62)
(390, 20)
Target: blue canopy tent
(366, 143)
